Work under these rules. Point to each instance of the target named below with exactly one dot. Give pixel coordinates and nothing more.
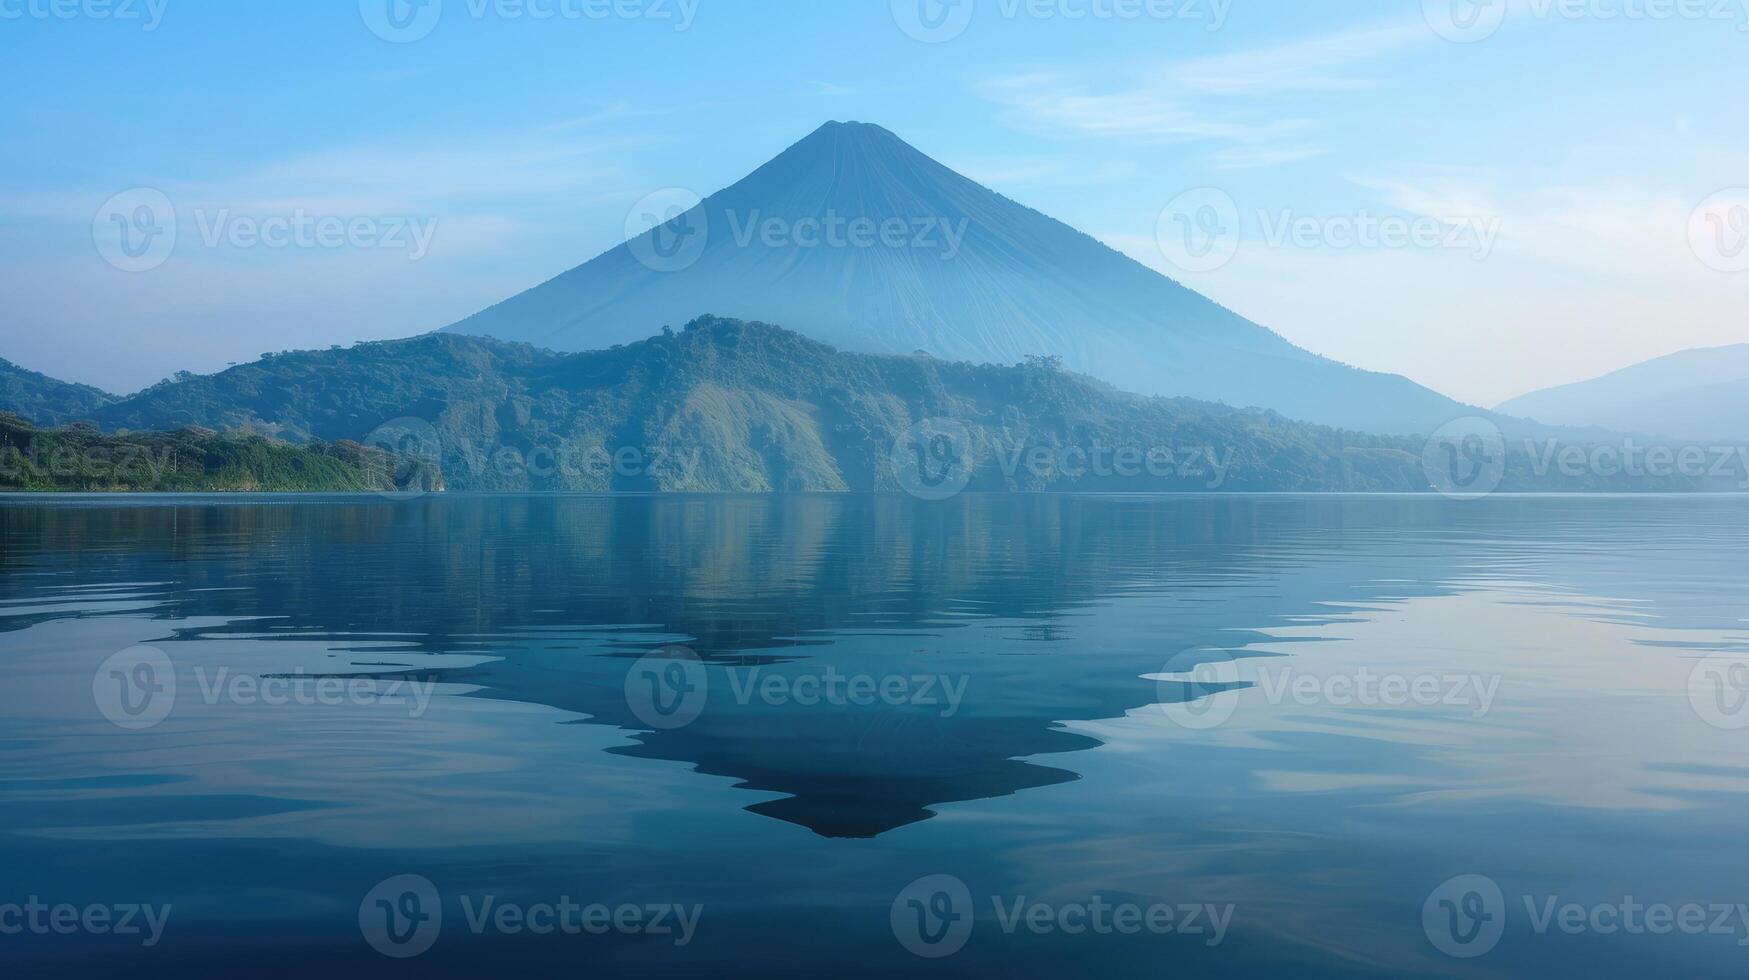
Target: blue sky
(1581, 137)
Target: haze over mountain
(1695, 394)
(946, 266)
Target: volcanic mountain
(856, 239)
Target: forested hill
(80, 459)
(44, 400)
(730, 406)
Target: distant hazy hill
(82, 459)
(727, 406)
(966, 275)
(1697, 394)
(44, 400)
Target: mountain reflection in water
(1030, 647)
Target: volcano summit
(859, 240)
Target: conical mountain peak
(856, 133)
(854, 166)
(855, 238)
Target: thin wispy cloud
(1063, 105)
(1633, 234)
(1218, 99)
(1325, 63)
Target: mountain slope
(728, 406)
(943, 265)
(1695, 394)
(44, 400)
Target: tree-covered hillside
(44, 400)
(728, 406)
(79, 458)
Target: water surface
(1023, 711)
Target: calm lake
(834, 736)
